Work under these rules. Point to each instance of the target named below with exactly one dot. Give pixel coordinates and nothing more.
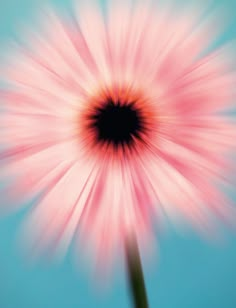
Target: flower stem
(135, 275)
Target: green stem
(135, 275)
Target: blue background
(189, 273)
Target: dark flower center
(117, 123)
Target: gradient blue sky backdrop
(190, 272)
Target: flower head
(114, 118)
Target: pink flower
(113, 121)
